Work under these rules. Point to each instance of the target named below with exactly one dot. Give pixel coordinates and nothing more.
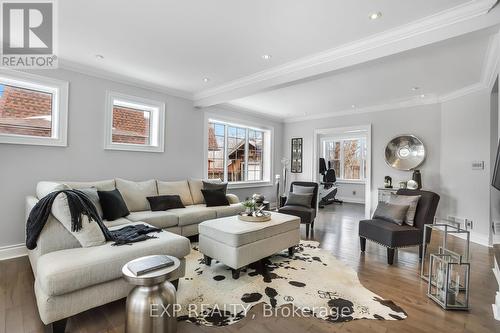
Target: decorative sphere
(411, 185)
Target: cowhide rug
(313, 281)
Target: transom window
(238, 153)
(33, 110)
(347, 157)
(134, 123)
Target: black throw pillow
(215, 198)
(215, 186)
(164, 202)
(113, 205)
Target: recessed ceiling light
(353, 106)
(415, 88)
(266, 56)
(99, 56)
(376, 15)
(206, 79)
(422, 96)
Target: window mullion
(342, 176)
(225, 154)
(245, 171)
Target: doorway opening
(346, 151)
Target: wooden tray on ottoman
(244, 217)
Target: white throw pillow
(90, 234)
(135, 193)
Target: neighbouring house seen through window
(134, 123)
(237, 153)
(347, 157)
(33, 109)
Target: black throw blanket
(80, 204)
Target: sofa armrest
(54, 235)
(232, 198)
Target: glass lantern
(449, 280)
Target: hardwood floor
(336, 229)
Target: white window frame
(267, 150)
(157, 122)
(341, 139)
(59, 114)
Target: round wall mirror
(405, 152)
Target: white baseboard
(351, 200)
(13, 251)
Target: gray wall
(23, 166)
(466, 137)
(422, 121)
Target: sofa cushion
(135, 193)
(195, 186)
(193, 214)
(117, 222)
(160, 219)
(390, 234)
(223, 211)
(181, 188)
(90, 234)
(100, 185)
(43, 188)
(65, 271)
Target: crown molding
(405, 37)
(490, 67)
(107, 75)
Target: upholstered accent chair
(394, 236)
(306, 214)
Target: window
(33, 110)
(347, 157)
(237, 153)
(134, 123)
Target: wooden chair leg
(390, 256)
(362, 243)
(307, 230)
(312, 224)
(420, 252)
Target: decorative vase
(417, 176)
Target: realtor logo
(28, 34)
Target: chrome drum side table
(150, 305)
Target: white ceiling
(436, 69)
(177, 43)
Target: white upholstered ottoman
(238, 243)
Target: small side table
(148, 303)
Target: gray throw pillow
(303, 189)
(411, 201)
(91, 192)
(391, 212)
(295, 199)
(215, 186)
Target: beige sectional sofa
(70, 278)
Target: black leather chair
(394, 236)
(306, 214)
